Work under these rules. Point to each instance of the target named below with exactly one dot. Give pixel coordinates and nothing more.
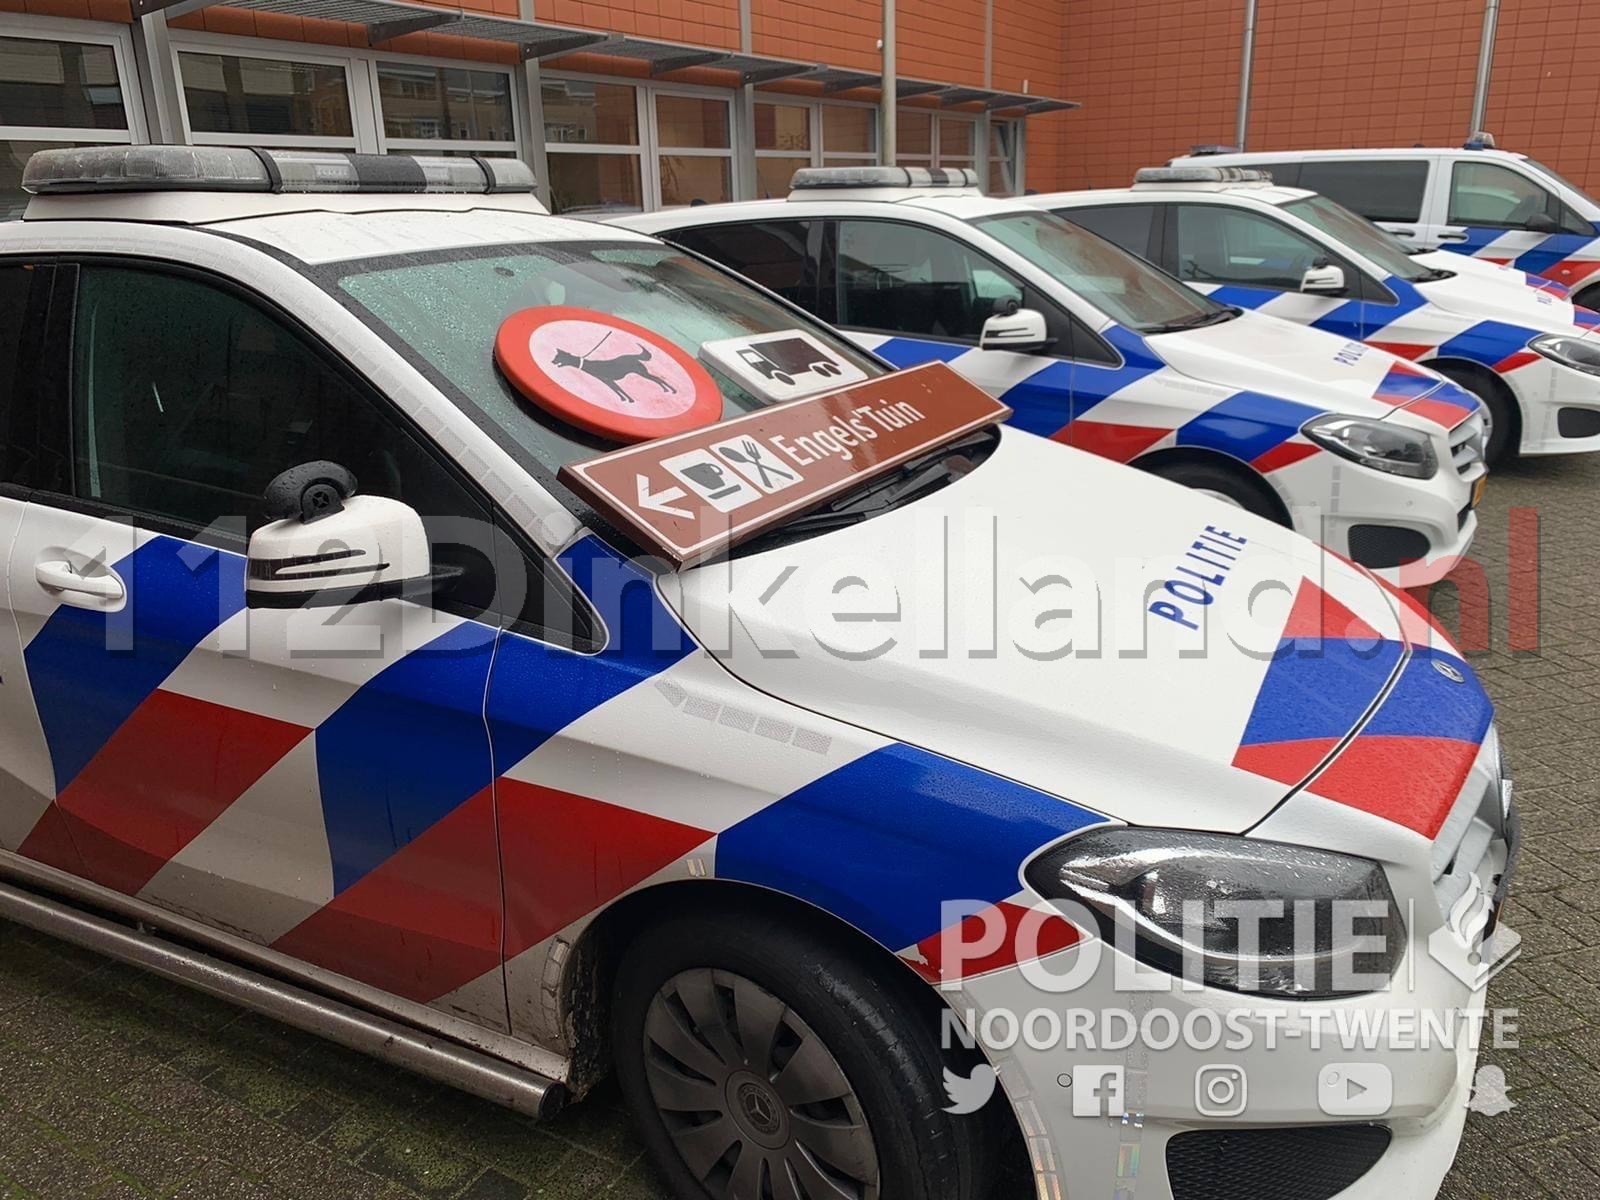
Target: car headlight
(1376, 444)
(1252, 916)
(1570, 351)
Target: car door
(24, 308)
(1391, 192)
(1498, 213)
(316, 781)
(1252, 260)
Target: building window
(1005, 175)
(783, 146)
(422, 106)
(694, 150)
(795, 133)
(927, 139)
(591, 134)
(56, 93)
(269, 101)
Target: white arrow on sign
(661, 501)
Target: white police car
(1531, 356)
(1473, 201)
(351, 672)
(1376, 458)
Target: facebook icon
(1098, 1092)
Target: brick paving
(114, 1084)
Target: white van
(1494, 205)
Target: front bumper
(1410, 531)
(1560, 408)
(1282, 1051)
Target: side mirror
(327, 546)
(1543, 223)
(1324, 280)
(1023, 331)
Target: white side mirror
(1023, 331)
(1324, 280)
(339, 549)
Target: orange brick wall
(1154, 76)
(1544, 94)
(1363, 73)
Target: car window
(1386, 189)
(16, 283)
(1486, 193)
(1131, 226)
(772, 253)
(909, 279)
(1356, 233)
(441, 311)
(188, 398)
(1230, 245)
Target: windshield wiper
(917, 477)
(1197, 321)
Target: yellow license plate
(1477, 489)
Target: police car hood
(1055, 618)
(1481, 297)
(1259, 353)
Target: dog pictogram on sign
(604, 374)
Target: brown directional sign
(693, 495)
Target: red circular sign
(605, 375)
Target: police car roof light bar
(240, 169)
(819, 178)
(1202, 175)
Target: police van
(1531, 356)
(1498, 206)
(1379, 459)
(427, 625)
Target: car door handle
(98, 590)
(1448, 235)
(1404, 232)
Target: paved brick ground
(113, 1084)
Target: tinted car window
(909, 279)
(773, 253)
(1131, 226)
(1378, 189)
(1485, 193)
(16, 366)
(1229, 245)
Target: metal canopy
(388, 19)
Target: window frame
(387, 144)
(95, 33)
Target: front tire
(762, 1062)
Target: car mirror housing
(1324, 280)
(1023, 331)
(330, 547)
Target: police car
(1373, 456)
(429, 626)
(1530, 355)
(1473, 201)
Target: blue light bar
(91, 169)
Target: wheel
(1589, 297)
(761, 1063)
(1502, 420)
(1228, 484)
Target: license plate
(1477, 489)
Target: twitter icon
(968, 1093)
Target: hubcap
(757, 1106)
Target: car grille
(1466, 445)
(1471, 845)
(1307, 1163)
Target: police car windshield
(1127, 289)
(1362, 236)
(442, 309)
